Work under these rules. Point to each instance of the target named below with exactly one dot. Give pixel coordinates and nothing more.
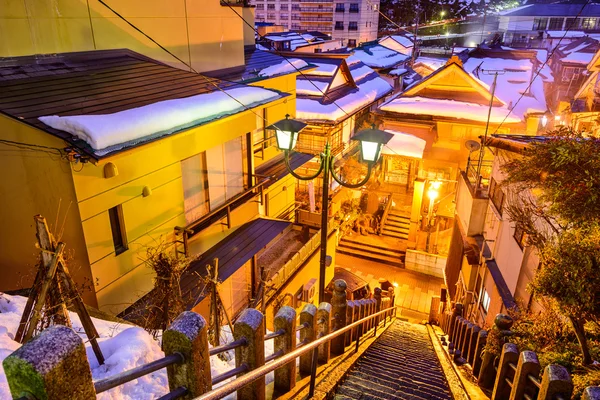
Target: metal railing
(259, 372)
(316, 10)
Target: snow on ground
(368, 92)
(380, 57)
(124, 347)
(102, 131)
(308, 87)
(283, 67)
(448, 108)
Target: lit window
(485, 300)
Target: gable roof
(96, 83)
(378, 56)
(435, 85)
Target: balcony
(316, 10)
(471, 203)
(316, 19)
(321, 28)
(317, 1)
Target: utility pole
(416, 44)
(483, 24)
(495, 72)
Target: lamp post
(371, 142)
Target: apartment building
(354, 21)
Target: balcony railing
(479, 181)
(316, 19)
(316, 10)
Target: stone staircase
(396, 225)
(353, 246)
(400, 364)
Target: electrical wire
(33, 147)
(383, 15)
(542, 67)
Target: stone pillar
(250, 326)
(591, 393)
(362, 306)
(339, 306)
(487, 373)
(528, 365)
(324, 328)
(556, 380)
(456, 312)
(481, 341)
(308, 316)
(285, 377)
(474, 334)
(349, 320)
(188, 335)
(464, 347)
(510, 355)
(53, 366)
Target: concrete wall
(203, 33)
(428, 264)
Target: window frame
(117, 227)
(520, 237)
(494, 189)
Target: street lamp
(371, 142)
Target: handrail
(175, 394)
(228, 346)
(232, 372)
(127, 376)
(273, 356)
(386, 212)
(279, 362)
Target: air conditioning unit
(308, 293)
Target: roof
(377, 56)
(554, 10)
(95, 83)
(353, 281)
(507, 298)
(276, 167)
(404, 144)
(255, 62)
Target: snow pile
(448, 108)
(284, 67)
(367, 93)
(102, 131)
(311, 88)
(380, 57)
(124, 347)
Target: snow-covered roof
(379, 56)
(579, 58)
(108, 132)
(284, 67)
(296, 39)
(401, 44)
(448, 108)
(404, 144)
(433, 63)
(516, 77)
(398, 71)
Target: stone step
(394, 234)
(397, 218)
(397, 224)
(368, 255)
(371, 248)
(356, 240)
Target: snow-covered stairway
(400, 364)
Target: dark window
(339, 25)
(520, 236)
(572, 23)
(539, 24)
(270, 6)
(351, 42)
(496, 195)
(117, 227)
(260, 6)
(556, 24)
(295, 7)
(352, 26)
(339, 7)
(283, 7)
(354, 7)
(318, 50)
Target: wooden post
(308, 316)
(378, 302)
(338, 310)
(528, 365)
(251, 327)
(464, 346)
(349, 319)
(324, 328)
(481, 341)
(474, 334)
(510, 355)
(285, 377)
(216, 322)
(556, 381)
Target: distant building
(541, 25)
(354, 22)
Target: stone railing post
(188, 335)
(464, 346)
(528, 365)
(250, 326)
(510, 355)
(473, 335)
(392, 296)
(378, 302)
(481, 341)
(591, 393)
(285, 377)
(324, 328)
(339, 305)
(456, 312)
(556, 380)
(308, 316)
(434, 315)
(349, 320)
(487, 373)
(53, 365)
(360, 329)
(372, 308)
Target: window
(539, 24)
(570, 73)
(260, 6)
(271, 16)
(520, 236)
(556, 24)
(283, 7)
(270, 6)
(496, 195)
(352, 26)
(485, 301)
(588, 23)
(339, 25)
(194, 177)
(572, 23)
(339, 7)
(351, 42)
(295, 7)
(117, 226)
(284, 16)
(353, 7)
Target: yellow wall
(208, 35)
(36, 183)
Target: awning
(404, 144)
(507, 298)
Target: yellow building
(583, 112)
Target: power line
(542, 67)
(383, 15)
(32, 147)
